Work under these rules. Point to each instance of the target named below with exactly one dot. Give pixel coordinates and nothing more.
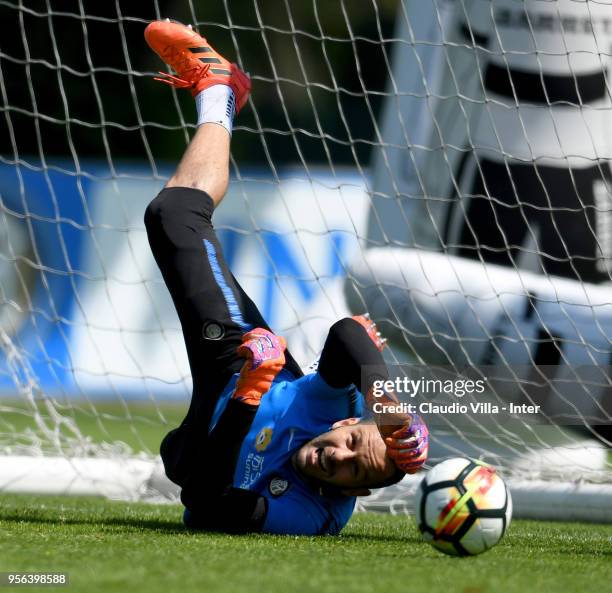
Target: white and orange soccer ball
(463, 507)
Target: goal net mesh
(444, 164)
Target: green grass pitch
(117, 546)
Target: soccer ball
(463, 507)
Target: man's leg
(205, 164)
(205, 167)
(185, 245)
(214, 311)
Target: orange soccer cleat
(197, 65)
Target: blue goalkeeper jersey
(291, 413)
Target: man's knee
(345, 330)
(163, 208)
(178, 210)
(152, 215)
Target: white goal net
(443, 164)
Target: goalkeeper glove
(409, 445)
(370, 327)
(265, 358)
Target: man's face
(348, 457)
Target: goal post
(448, 173)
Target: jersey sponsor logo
(253, 467)
(263, 438)
(278, 486)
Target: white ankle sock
(216, 105)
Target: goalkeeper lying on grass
(263, 447)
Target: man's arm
(244, 511)
(212, 502)
(352, 355)
(233, 511)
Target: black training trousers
(214, 312)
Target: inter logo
(263, 438)
(213, 331)
(278, 486)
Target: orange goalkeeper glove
(370, 327)
(265, 358)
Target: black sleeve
(349, 357)
(234, 511)
(207, 492)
